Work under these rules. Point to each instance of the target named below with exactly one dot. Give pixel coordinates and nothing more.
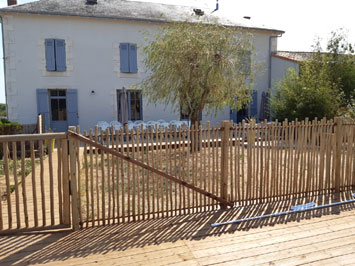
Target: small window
(134, 100)
(128, 58)
(55, 55)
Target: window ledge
(129, 75)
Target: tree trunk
(195, 121)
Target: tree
(325, 86)
(197, 66)
(341, 59)
(311, 93)
(3, 109)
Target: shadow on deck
(58, 246)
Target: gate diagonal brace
(147, 167)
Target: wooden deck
(322, 237)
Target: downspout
(270, 58)
(4, 57)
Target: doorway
(58, 110)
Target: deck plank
(319, 238)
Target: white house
(69, 59)
(281, 61)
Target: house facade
(69, 59)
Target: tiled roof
(293, 56)
(120, 9)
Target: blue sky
(302, 20)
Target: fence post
(65, 182)
(226, 127)
(338, 145)
(73, 186)
(39, 124)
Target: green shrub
(310, 94)
(9, 128)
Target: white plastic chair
(138, 124)
(151, 125)
(175, 124)
(163, 126)
(116, 125)
(131, 126)
(103, 125)
(161, 121)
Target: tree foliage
(2, 109)
(197, 66)
(324, 86)
(308, 95)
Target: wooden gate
(34, 182)
(126, 179)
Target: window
(134, 99)
(128, 58)
(55, 55)
(58, 105)
(245, 62)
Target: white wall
(279, 69)
(93, 64)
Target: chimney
(11, 2)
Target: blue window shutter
(254, 104)
(43, 105)
(50, 56)
(124, 63)
(200, 116)
(60, 58)
(72, 107)
(133, 68)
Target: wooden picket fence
(108, 177)
(240, 164)
(34, 182)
